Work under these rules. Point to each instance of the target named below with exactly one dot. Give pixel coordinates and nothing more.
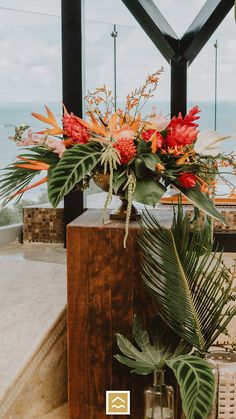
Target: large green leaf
(194, 293)
(201, 201)
(119, 180)
(75, 164)
(151, 161)
(193, 374)
(148, 192)
(196, 382)
(150, 356)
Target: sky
(30, 50)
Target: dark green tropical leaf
(151, 160)
(194, 293)
(140, 168)
(193, 374)
(143, 147)
(196, 383)
(119, 180)
(149, 191)
(201, 201)
(76, 163)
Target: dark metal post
(178, 87)
(72, 77)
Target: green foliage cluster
(194, 293)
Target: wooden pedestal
(104, 293)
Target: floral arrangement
(141, 155)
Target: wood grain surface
(104, 293)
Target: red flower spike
(76, 132)
(188, 120)
(182, 131)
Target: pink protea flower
(74, 129)
(126, 148)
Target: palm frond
(17, 176)
(193, 290)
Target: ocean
(14, 114)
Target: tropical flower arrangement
(140, 155)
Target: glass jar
(159, 399)
(226, 388)
(214, 368)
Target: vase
(102, 180)
(225, 400)
(159, 399)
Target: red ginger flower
(180, 136)
(182, 131)
(187, 180)
(126, 148)
(76, 132)
(188, 120)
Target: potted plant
(194, 293)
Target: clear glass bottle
(213, 366)
(159, 399)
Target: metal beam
(178, 92)
(155, 25)
(72, 77)
(204, 25)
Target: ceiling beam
(204, 25)
(155, 25)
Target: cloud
(30, 51)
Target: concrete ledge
(11, 233)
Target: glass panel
(201, 85)
(107, 11)
(136, 58)
(180, 14)
(30, 76)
